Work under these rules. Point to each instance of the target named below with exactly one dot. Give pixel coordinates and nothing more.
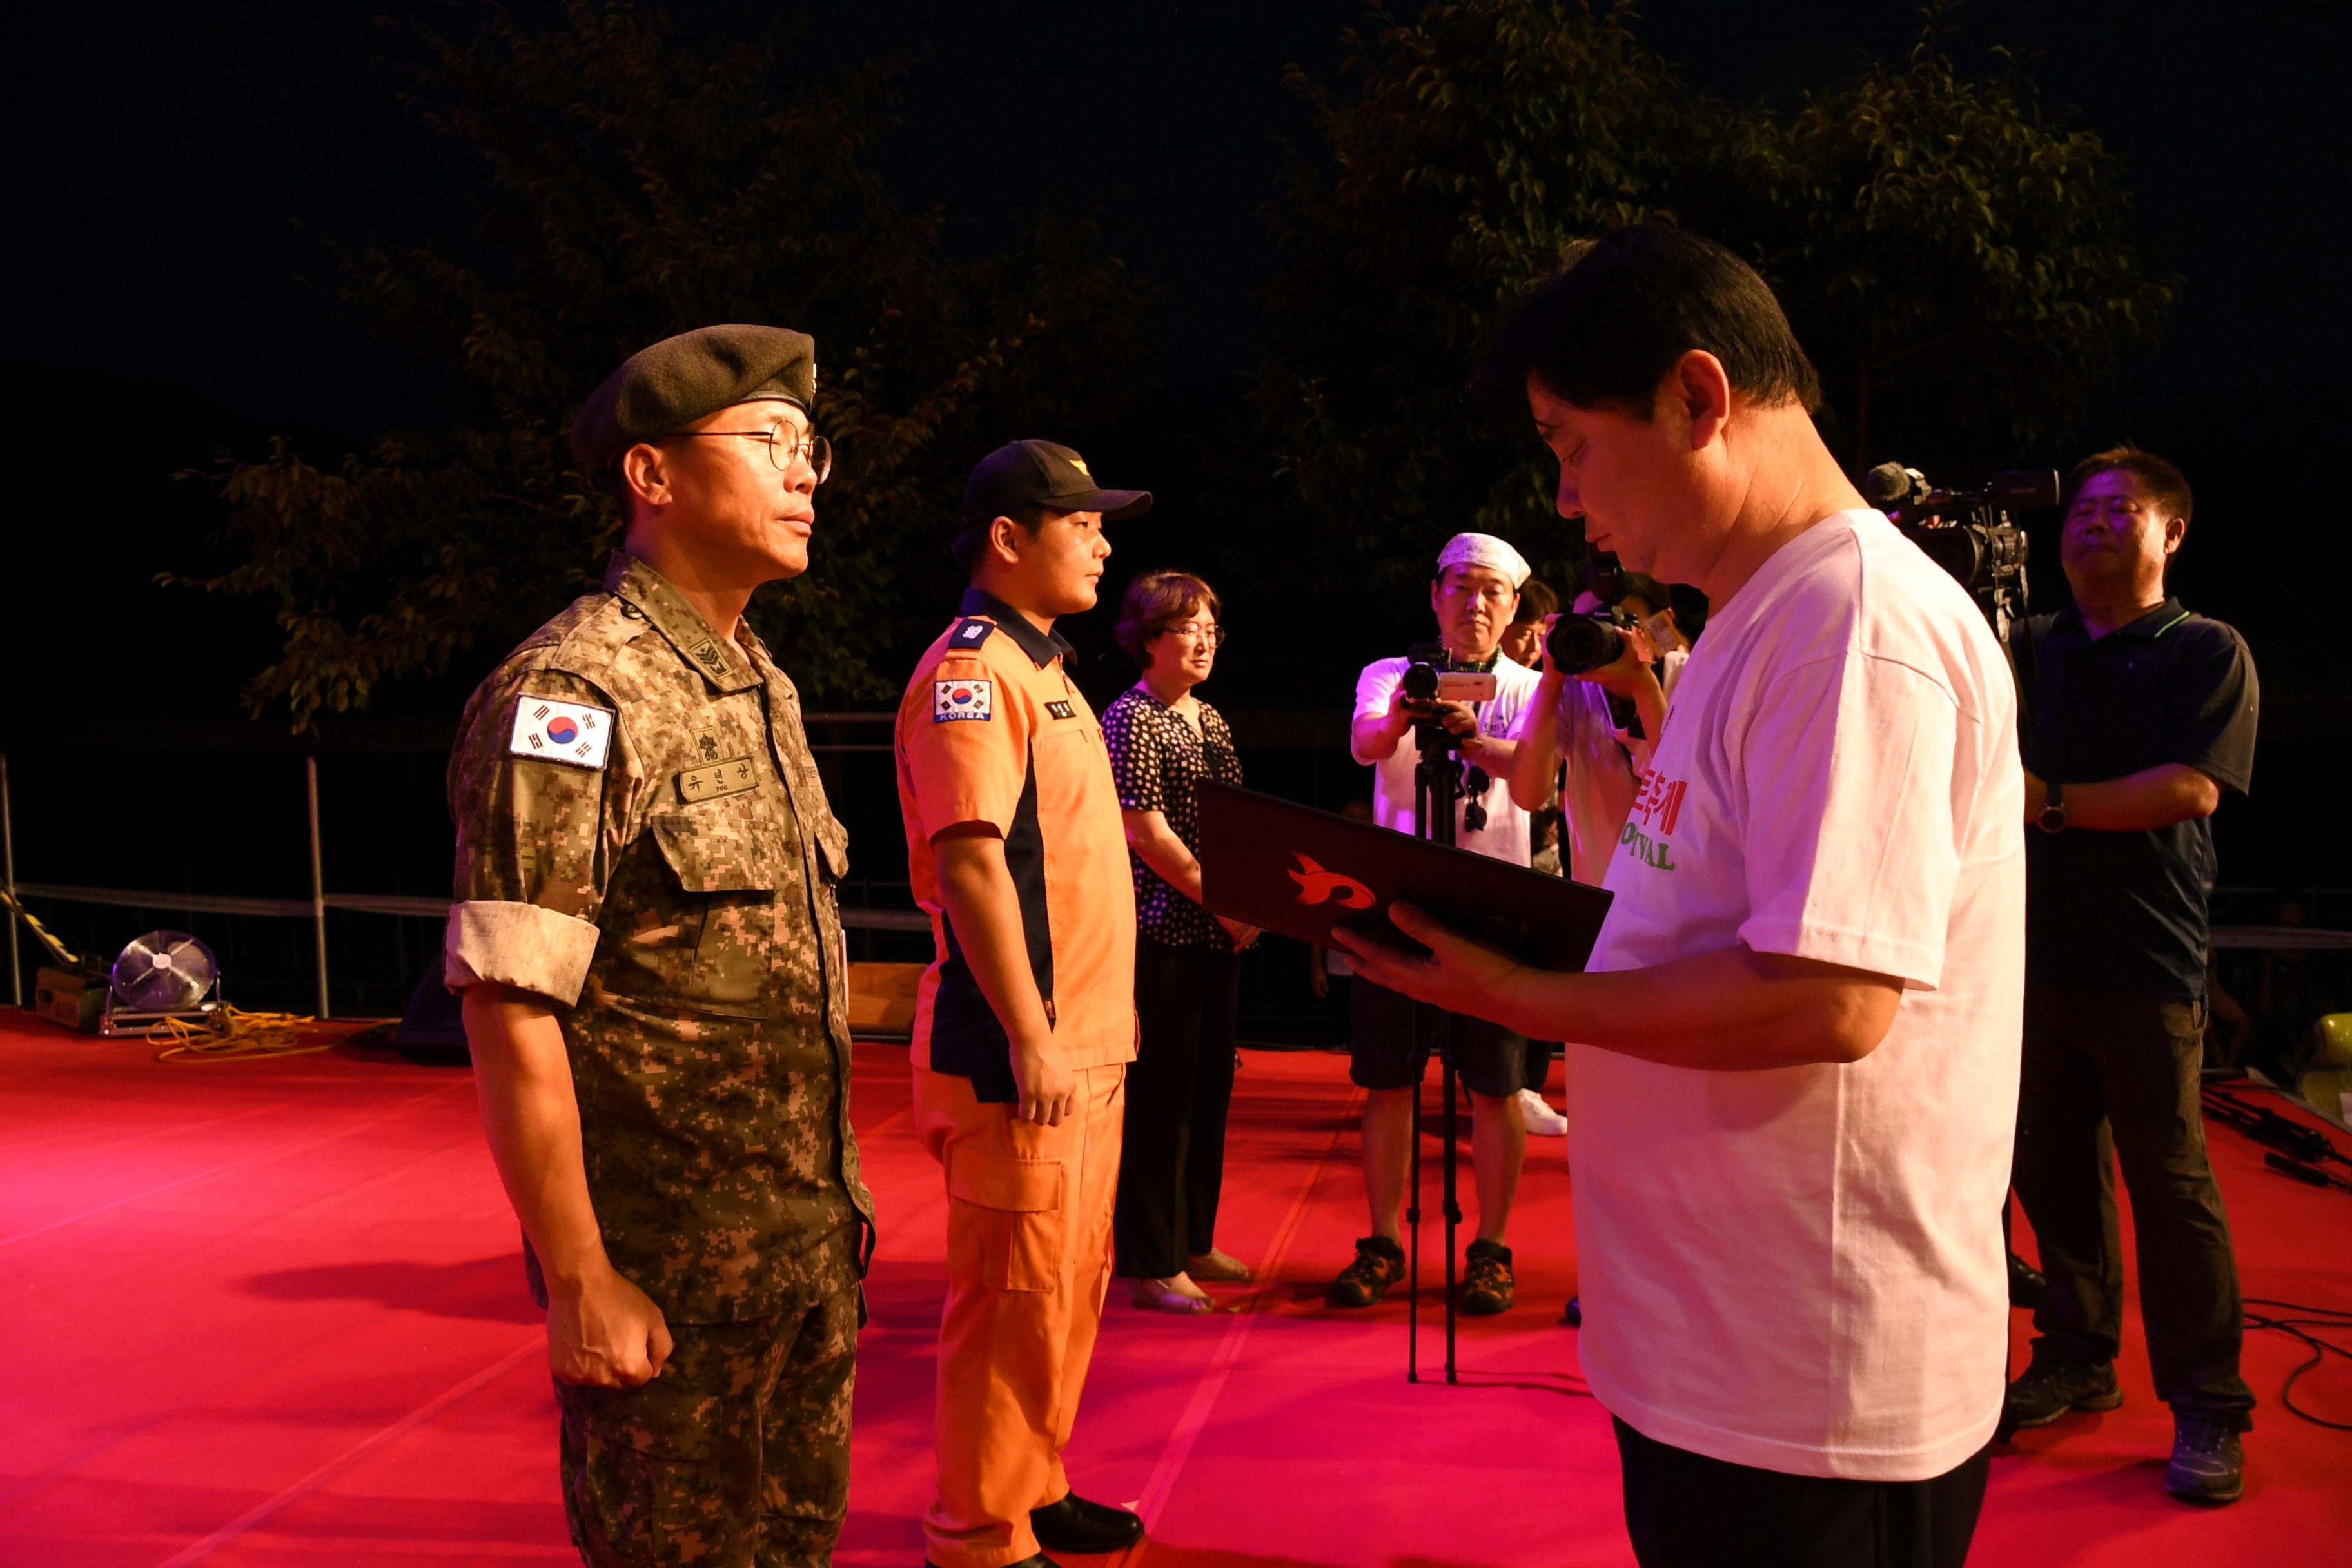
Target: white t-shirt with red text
(1801, 1268)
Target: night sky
(164, 159)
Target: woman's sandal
(1219, 1270)
(1162, 1296)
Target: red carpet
(271, 1312)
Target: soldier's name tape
(961, 699)
(578, 734)
(732, 776)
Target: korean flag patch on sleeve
(578, 734)
(952, 699)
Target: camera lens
(1579, 643)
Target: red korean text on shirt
(1658, 803)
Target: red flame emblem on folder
(1316, 885)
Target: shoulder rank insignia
(961, 700)
(971, 632)
(574, 732)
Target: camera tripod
(1436, 801)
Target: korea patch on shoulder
(961, 700)
(578, 734)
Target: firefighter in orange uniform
(1025, 1021)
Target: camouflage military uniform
(643, 839)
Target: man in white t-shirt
(1792, 1106)
(1475, 594)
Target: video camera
(1968, 533)
(1430, 678)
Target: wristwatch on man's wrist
(2054, 809)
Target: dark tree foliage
(1956, 265)
(1467, 148)
(641, 188)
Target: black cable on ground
(2315, 1317)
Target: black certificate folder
(1290, 868)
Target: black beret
(661, 390)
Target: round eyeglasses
(784, 445)
(1212, 633)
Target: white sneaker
(1538, 1116)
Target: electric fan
(163, 974)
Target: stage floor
(272, 1313)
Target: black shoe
(1039, 1561)
(2050, 1389)
(1380, 1263)
(2209, 1463)
(1073, 1524)
(1487, 1286)
(2026, 1284)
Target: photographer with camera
(1572, 721)
(2142, 714)
(1792, 1074)
(1475, 597)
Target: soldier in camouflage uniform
(647, 943)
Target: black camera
(1430, 678)
(1968, 533)
(1581, 643)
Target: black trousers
(1173, 1166)
(1686, 1511)
(2111, 1076)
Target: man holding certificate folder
(1793, 1056)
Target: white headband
(1485, 549)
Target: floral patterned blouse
(1159, 762)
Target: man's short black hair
(1604, 330)
(2167, 485)
(1536, 601)
(965, 545)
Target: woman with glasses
(1163, 742)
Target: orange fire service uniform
(992, 731)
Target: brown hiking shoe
(1380, 1263)
(1487, 1286)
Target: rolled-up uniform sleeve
(536, 844)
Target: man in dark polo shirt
(2142, 715)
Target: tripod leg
(1412, 1248)
(1452, 1178)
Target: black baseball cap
(1041, 474)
